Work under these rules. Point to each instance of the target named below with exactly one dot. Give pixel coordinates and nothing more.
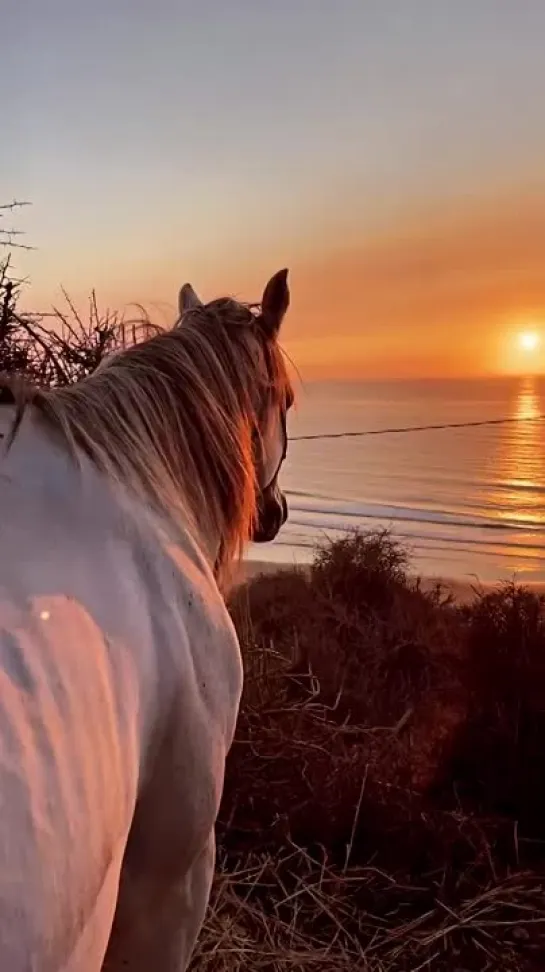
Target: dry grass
(62, 347)
(384, 806)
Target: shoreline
(462, 591)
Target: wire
(417, 428)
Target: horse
(127, 500)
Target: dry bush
(350, 835)
(61, 347)
(498, 755)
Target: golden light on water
(521, 460)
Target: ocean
(468, 503)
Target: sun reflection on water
(522, 459)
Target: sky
(389, 152)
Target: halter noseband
(258, 440)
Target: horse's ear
(274, 303)
(187, 299)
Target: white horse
(125, 500)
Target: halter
(259, 439)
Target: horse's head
(194, 419)
(257, 329)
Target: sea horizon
(468, 503)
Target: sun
(529, 340)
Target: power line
(418, 428)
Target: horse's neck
(39, 465)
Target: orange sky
(441, 291)
(390, 154)
(446, 294)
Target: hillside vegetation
(384, 806)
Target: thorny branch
(11, 237)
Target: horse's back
(69, 747)
(105, 632)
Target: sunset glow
(529, 340)
(398, 268)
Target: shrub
(365, 822)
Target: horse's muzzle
(272, 514)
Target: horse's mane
(174, 418)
